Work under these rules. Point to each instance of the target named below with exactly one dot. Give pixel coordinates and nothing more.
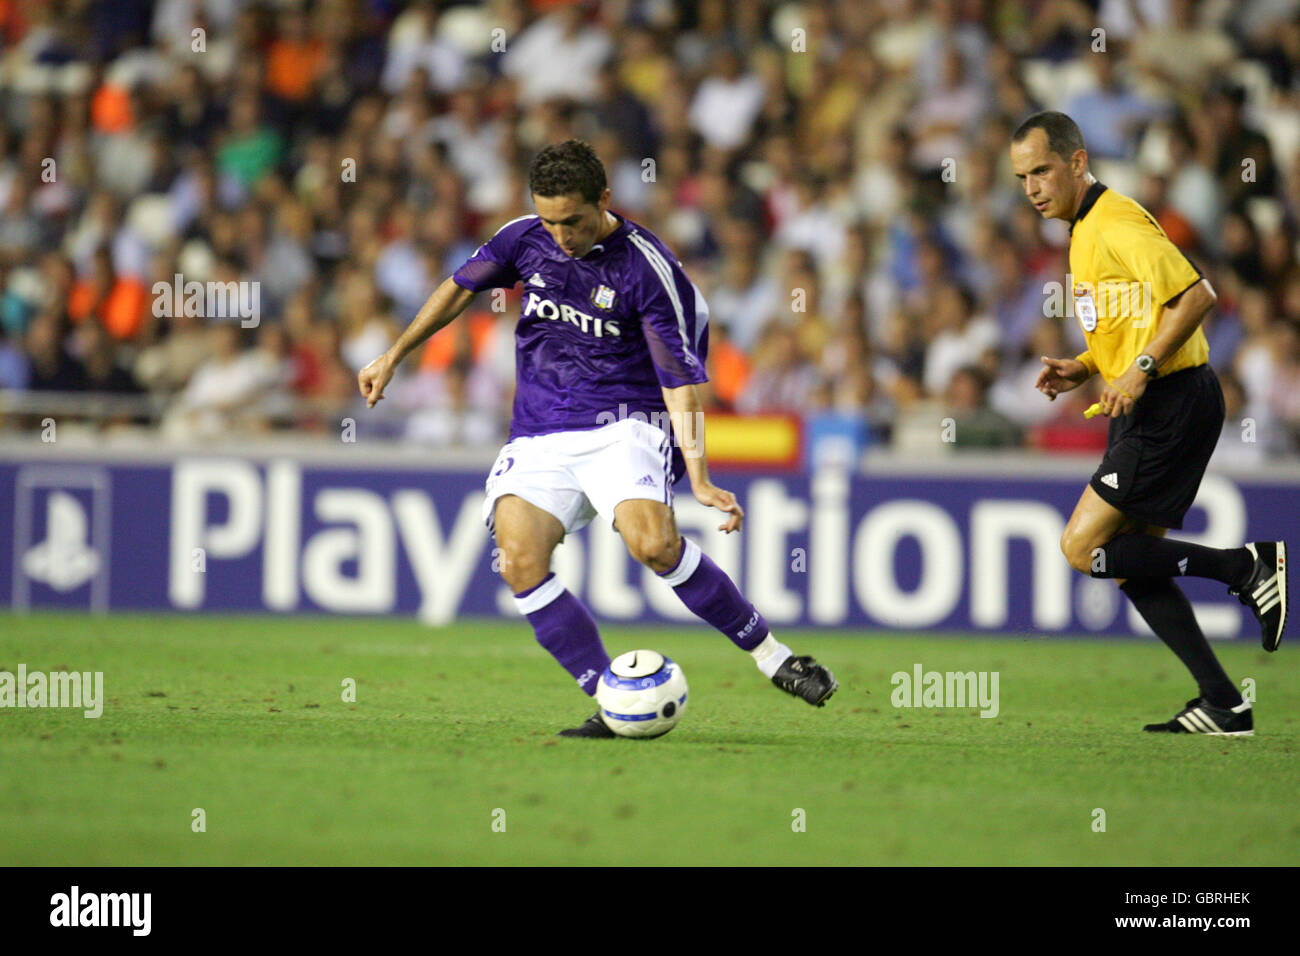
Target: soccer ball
(641, 694)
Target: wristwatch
(1147, 364)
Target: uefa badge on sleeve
(603, 297)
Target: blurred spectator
(1284, 397)
(976, 424)
(781, 379)
(318, 375)
(1013, 394)
(956, 335)
(295, 59)
(1110, 113)
(99, 354)
(842, 195)
(414, 45)
(1192, 189)
(235, 389)
(558, 56)
(15, 368)
(1239, 444)
(249, 148)
(943, 120)
(167, 366)
(729, 367)
(52, 368)
(1241, 156)
(1180, 52)
(119, 302)
(449, 412)
(1258, 363)
(727, 102)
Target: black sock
(1165, 607)
(1146, 556)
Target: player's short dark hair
(568, 167)
(1063, 135)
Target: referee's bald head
(1048, 156)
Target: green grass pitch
(453, 730)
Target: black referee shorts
(1156, 456)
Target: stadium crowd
(834, 177)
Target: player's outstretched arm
(448, 301)
(687, 416)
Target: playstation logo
(64, 560)
(61, 537)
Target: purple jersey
(597, 336)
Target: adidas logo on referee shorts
(1111, 480)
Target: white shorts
(577, 475)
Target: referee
(1140, 302)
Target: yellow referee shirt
(1123, 269)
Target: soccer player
(611, 338)
(1140, 302)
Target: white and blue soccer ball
(641, 694)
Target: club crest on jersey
(603, 297)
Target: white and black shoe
(806, 679)
(1200, 717)
(1265, 590)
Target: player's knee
(659, 552)
(522, 568)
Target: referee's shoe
(1264, 592)
(1202, 717)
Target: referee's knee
(1078, 550)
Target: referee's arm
(1181, 317)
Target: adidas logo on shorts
(1111, 480)
(647, 480)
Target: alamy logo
(1107, 301)
(923, 688)
(1111, 480)
(103, 909)
(76, 689)
(212, 300)
(684, 429)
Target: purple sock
(711, 595)
(566, 629)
